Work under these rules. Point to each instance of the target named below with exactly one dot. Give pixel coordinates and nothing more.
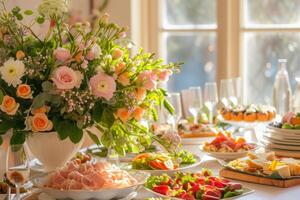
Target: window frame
(230, 35)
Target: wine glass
(211, 98)
(17, 167)
(227, 92)
(195, 95)
(238, 89)
(175, 101)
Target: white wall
(119, 10)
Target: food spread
(225, 142)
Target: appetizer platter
(86, 180)
(264, 168)
(226, 147)
(240, 115)
(191, 130)
(158, 163)
(195, 134)
(201, 185)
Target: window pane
(272, 12)
(197, 51)
(261, 54)
(191, 12)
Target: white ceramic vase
(50, 150)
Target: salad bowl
(199, 185)
(101, 194)
(164, 165)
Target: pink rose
(62, 54)
(84, 64)
(148, 80)
(66, 78)
(103, 85)
(94, 52)
(164, 75)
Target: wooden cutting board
(226, 173)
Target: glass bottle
(282, 93)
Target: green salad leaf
(156, 180)
(184, 156)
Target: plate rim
(250, 190)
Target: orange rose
(119, 68)
(43, 109)
(79, 57)
(117, 53)
(124, 79)
(20, 55)
(140, 94)
(39, 123)
(9, 105)
(123, 114)
(138, 113)
(24, 91)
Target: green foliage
(40, 19)
(18, 137)
(28, 12)
(5, 125)
(94, 137)
(1, 95)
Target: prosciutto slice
(89, 176)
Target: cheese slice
(283, 171)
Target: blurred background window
(189, 36)
(270, 31)
(267, 31)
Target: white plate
(102, 194)
(280, 137)
(268, 144)
(275, 141)
(283, 130)
(228, 155)
(196, 141)
(171, 172)
(245, 189)
(280, 134)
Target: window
(218, 39)
(189, 35)
(270, 31)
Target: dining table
(260, 192)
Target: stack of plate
(282, 140)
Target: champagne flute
(211, 98)
(238, 89)
(175, 101)
(195, 95)
(227, 92)
(17, 167)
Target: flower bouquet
(76, 77)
